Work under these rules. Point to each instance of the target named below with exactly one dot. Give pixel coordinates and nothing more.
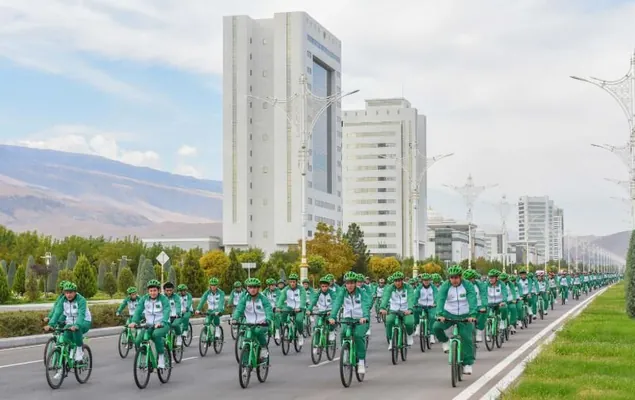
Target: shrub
(5, 293)
(110, 284)
(85, 278)
(19, 282)
(126, 279)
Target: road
(22, 375)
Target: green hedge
(25, 323)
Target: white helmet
(540, 273)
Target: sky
(140, 81)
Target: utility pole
(504, 208)
(470, 193)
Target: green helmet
(361, 277)
(493, 273)
(503, 276)
(61, 285)
(412, 281)
(238, 284)
(153, 283)
(455, 270)
(250, 282)
(390, 280)
(325, 279)
(512, 278)
(215, 282)
(522, 271)
(70, 287)
(182, 287)
(468, 274)
(293, 277)
(305, 281)
(131, 290)
(330, 276)
(426, 276)
(270, 281)
(350, 276)
(397, 275)
(436, 277)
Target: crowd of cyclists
(486, 308)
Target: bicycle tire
(244, 370)
(48, 349)
(89, 365)
(238, 346)
(51, 360)
(284, 340)
(188, 338)
(422, 337)
(177, 351)
(316, 349)
(346, 370)
(395, 347)
(123, 335)
(331, 349)
(262, 371)
(489, 335)
(404, 347)
(219, 342)
(139, 360)
(360, 377)
(203, 342)
(164, 374)
(454, 363)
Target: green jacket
(388, 291)
(357, 297)
(482, 292)
(316, 295)
(503, 288)
(470, 295)
(220, 305)
(417, 293)
(239, 312)
(188, 302)
(175, 300)
(309, 294)
(272, 295)
(232, 293)
(162, 315)
(125, 302)
(282, 299)
(79, 302)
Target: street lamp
(47, 261)
(305, 128)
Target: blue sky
(140, 81)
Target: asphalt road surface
(22, 375)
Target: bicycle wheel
(553, 302)
(238, 346)
(404, 345)
(331, 348)
(244, 368)
(122, 344)
(296, 344)
(395, 346)
(316, 349)
(422, 337)
(219, 341)
(306, 332)
(489, 334)
(360, 377)
(346, 369)
(541, 309)
(285, 342)
(234, 331)
(165, 373)
(84, 369)
(177, 351)
(48, 349)
(55, 370)
(141, 368)
(262, 370)
(188, 338)
(203, 342)
(454, 363)
(500, 334)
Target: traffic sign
(162, 258)
(248, 267)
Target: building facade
(384, 163)
(266, 59)
(449, 241)
(541, 221)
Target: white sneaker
(446, 347)
(501, 325)
(315, 351)
(545, 312)
(409, 340)
(361, 367)
(217, 332)
(331, 336)
(161, 361)
(433, 340)
(368, 331)
(513, 329)
(417, 330)
(467, 369)
(264, 353)
(390, 346)
(79, 354)
(184, 334)
(179, 341)
(531, 313)
(277, 335)
(479, 336)
(300, 340)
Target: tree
(172, 276)
(193, 275)
(431, 268)
(30, 262)
(629, 277)
(145, 274)
(103, 269)
(32, 290)
(19, 283)
(336, 251)
(317, 265)
(126, 279)
(214, 263)
(355, 238)
(3, 265)
(266, 271)
(64, 275)
(71, 260)
(5, 293)
(110, 284)
(85, 278)
(235, 272)
(53, 271)
(11, 273)
(383, 267)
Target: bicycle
(526, 320)
(379, 316)
(187, 340)
(540, 306)
(551, 297)
(398, 338)
(288, 334)
(307, 326)
(50, 344)
(146, 361)
(455, 358)
(348, 354)
(126, 341)
(320, 341)
(493, 335)
(171, 346)
(576, 292)
(249, 359)
(208, 337)
(424, 329)
(61, 361)
(562, 296)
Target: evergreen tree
(85, 278)
(64, 275)
(53, 271)
(3, 265)
(110, 284)
(103, 269)
(146, 273)
(629, 277)
(235, 272)
(30, 262)
(5, 293)
(19, 282)
(172, 276)
(126, 279)
(32, 290)
(71, 260)
(11, 273)
(355, 238)
(192, 274)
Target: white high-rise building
(384, 146)
(261, 142)
(541, 221)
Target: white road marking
(22, 363)
(324, 363)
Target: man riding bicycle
(457, 301)
(398, 298)
(323, 300)
(481, 301)
(525, 286)
(155, 309)
(564, 282)
(272, 292)
(215, 299)
(293, 299)
(131, 301)
(497, 297)
(175, 311)
(186, 308)
(512, 297)
(542, 290)
(425, 303)
(255, 308)
(60, 299)
(236, 293)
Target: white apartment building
(448, 239)
(384, 157)
(261, 142)
(541, 221)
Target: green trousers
(158, 337)
(430, 315)
(465, 332)
(564, 292)
(481, 318)
(545, 301)
(513, 313)
(408, 321)
(77, 337)
(359, 337)
(299, 320)
(176, 324)
(212, 318)
(185, 321)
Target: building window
(250, 136)
(251, 234)
(251, 169)
(310, 200)
(250, 88)
(251, 186)
(265, 234)
(250, 40)
(251, 73)
(308, 70)
(251, 202)
(251, 217)
(265, 137)
(264, 73)
(265, 170)
(251, 153)
(339, 193)
(251, 105)
(265, 105)
(310, 234)
(250, 121)
(251, 56)
(309, 55)
(264, 41)
(310, 184)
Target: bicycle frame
(145, 346)
(347, 337)
(321, 328)
(398, 327)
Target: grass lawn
(593, 357)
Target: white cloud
(87, 140)
(186, 151)
(491, 75)
(188, 170)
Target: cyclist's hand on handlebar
(159, 325)
(331, 321)
(482, 310)
(362, 320)
(197, 312)
(501, 304)
(47, 328)
(407, 312)
(441, 319)
(132, 325)
(308, 312)
(471, 319)
(73, 328)
(46, 319)
(297, 310)
(383, 312)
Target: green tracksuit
(155, 311)
(186, 311)
(425, 302)
(354, 306)
(73, 313)
(215, 302)
(59, 299)
(255, 310)
(457, 303)
(497, 298)
(131, 304)
(293, 299)
(481, 301)
(565, 284)
(395, 300)
(175, 313)
(324, 303)
(512, 297)
(272, 296)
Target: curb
(33, 340)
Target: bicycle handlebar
(454, 320)
(264, 324)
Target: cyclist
(457, 301)
(175, 311)
(59, 299)
(553, 285)
(308, 290)
(131, 301)
(293, 298)
(512, 297)
(281, 284)
(497, 296)
(481, 301)
(234, 295)
(215, 299)
(378, 293)
(577, 282)
(355, 305)
(398, 297)
(524, 290)
(541, 283)
(186, 307)
(425, 302)
(155, 308)
(73, 310)
(585, 281)
(436, 280)
(272, 293)
(323, 300)
(334, 286)
(564, 282)
(255, 308)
